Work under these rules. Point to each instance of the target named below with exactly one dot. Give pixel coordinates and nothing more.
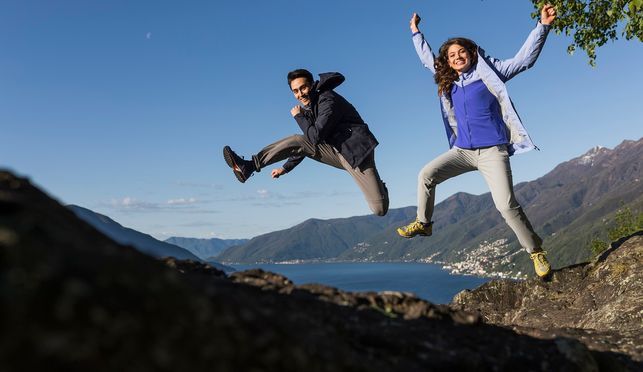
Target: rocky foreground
(72, 299)
(599, 303)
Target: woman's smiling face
(459, 58)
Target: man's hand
(415, 21)
(547, 14)
(278, 171)
(295, 110)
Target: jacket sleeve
(292, 162)
(526, 56)
(328, 116)
(424, 51)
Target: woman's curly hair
(444, 74)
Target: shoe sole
(229, 159)
(413, 236)
(547, 277)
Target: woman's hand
(415, 21)
(547, 14)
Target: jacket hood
(329, 80)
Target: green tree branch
(592, 23)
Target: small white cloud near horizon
(132, 203)
(148, 35)
(263, 193)
(182, 201)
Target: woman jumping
(482, 127)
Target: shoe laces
(540, 256)
(415, 225)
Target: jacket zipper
(466, 114)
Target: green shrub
(598, 246)
(625, 223)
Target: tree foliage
(595, 22)
(625, 223)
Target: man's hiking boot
(541, 265)
(416, 228)
(243, 169)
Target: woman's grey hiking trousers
(493, 163)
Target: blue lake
(427, 281)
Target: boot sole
(229, 159)
(411, 237)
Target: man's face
(301, 89)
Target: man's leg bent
(369, 181)
(283, 149)
(326, 154)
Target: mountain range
(142, 242)
(568, 207)
(205, 249)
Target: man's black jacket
(333, 120)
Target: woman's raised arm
(422, 48)
(530, 50)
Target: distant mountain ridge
(206, 249)
(313, 239)
(567, 207)
(142, 242)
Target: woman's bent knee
(427, 175)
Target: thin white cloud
(129, 203)
(148, 35)
(263, 193)
(179, 205)
(275, 204)
(182, 201)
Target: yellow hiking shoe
(415, 228)
(541, 265)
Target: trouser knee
(379, 208)
(509, 211)
(427, 177)
(297, 138)
(508, 208)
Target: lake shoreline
(453, 268)
(427, 280)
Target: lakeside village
(484, 261)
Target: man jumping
(334, 134)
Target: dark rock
(598, 303)
(71, 299)
(192, 266)
(392, 304)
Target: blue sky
(123, 107)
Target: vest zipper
(466, 114)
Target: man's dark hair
(299, 73)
